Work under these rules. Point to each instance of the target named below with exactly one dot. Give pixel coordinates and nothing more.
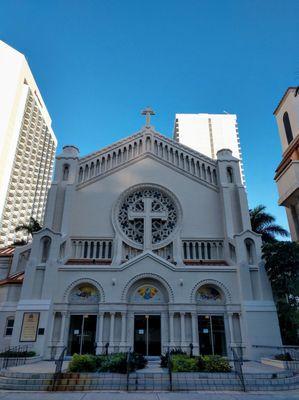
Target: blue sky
(98, 63)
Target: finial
(148, 111)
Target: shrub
(214, 363)
(17, 354)
(138, 361)
(114, 363)
(164, 357)
(284, 357)
(83, 363)
(183, 363)
(117, 362)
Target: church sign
(29, 327)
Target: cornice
(139, 158)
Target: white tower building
(209, 133)
(27, 146)
(287, 173)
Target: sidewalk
(290, 395)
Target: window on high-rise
(287, 127)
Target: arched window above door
(84, 293)
(209, 294)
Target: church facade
(146, 245)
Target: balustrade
(202, 249)
(92, 248)
(175, 154)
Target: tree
(282, 266)
(33, 226)
(264, 224)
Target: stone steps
(148, 381)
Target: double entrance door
(82, 334)
(211, 334)
(147, 335)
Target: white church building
(147, 245)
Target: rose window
(147, 216)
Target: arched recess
(147, 279)
(65, 172)
(82, 281)
(250, 251)
(230, 175)
(214, 283)
(45, 248)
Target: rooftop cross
(147, 112)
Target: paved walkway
(153, 366)
(42, 367)
(291, 395)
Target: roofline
(283, 98)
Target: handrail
(238, 362)
(128, 367)
(169, 366)
(58, 369)
(292, 351)
(8, 359)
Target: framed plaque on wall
(29, 327)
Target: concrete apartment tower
(27, 146)
(287, 173)
(209, 133)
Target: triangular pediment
(150, 256)
(147, 143)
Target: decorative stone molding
(213, 282)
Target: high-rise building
(287, 173)
(209, 133)
(27, 146)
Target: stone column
(123, 343)
(62, 328)
(111, 336)
(171, 329)
(194, 333)
(130, 330)
(50, 337)
(231, 328)
(100, 324)
(183, 336)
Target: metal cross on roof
(148, 112)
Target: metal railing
(169, 367)
(58, 368)
(13, 356)
(238, 363)
(128, 368)
(291, 353)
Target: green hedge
(116, 362)
(185, 363)
(83, 363)
(214, 364)
(17, 354)
(164, 357)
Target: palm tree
(33, 226)
(264, 224)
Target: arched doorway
(83, 307)
(211, 324)
(148, 299)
